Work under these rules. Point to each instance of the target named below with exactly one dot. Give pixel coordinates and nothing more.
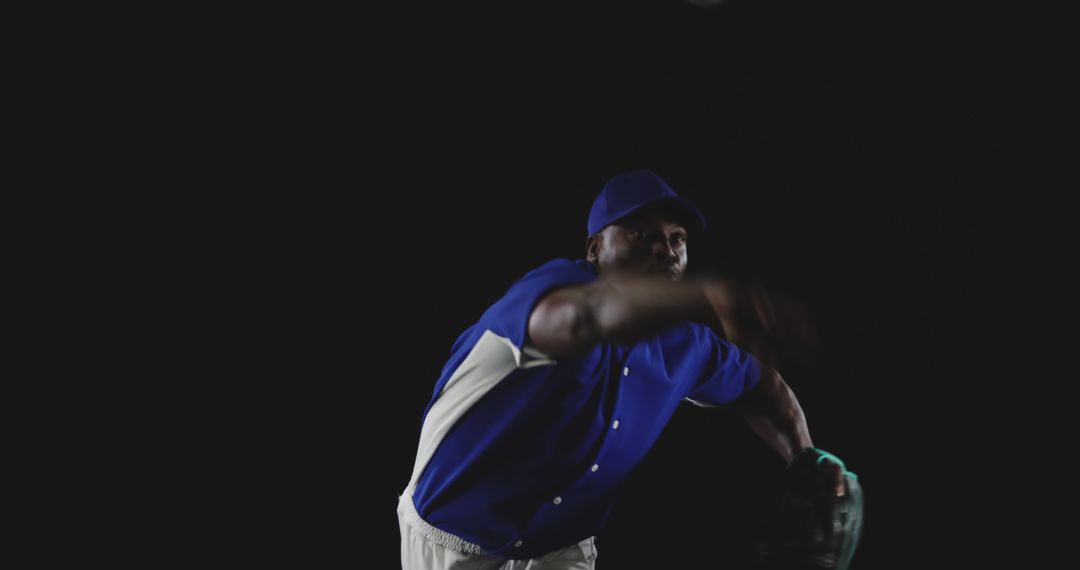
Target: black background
(365, 185)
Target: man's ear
(592, 247)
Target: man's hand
(835, 475)
(763, 322)
(746, 315)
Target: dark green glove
(811, 527)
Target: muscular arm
(570, 321)
(774, 414)
(620, 309)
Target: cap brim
(690, 216)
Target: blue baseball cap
(629, 192)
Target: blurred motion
(773, 325)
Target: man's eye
(678, 239)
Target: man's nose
(663, 248)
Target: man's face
(648, 241)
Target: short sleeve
(725, 371)
(509, 316)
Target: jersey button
(626, 371)
(594, 468)
(557, 500)
(518, 544)
(615, 424)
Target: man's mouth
(664, 268)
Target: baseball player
(559, 390)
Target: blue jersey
(521, 454)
